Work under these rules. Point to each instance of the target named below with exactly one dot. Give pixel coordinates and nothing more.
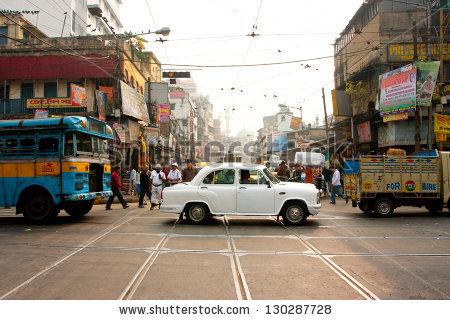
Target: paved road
(141, 254)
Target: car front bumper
(315, 209)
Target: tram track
(352, 282)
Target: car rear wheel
(384, 207)
(197, 213)
(39, 207)
(294, 214)
(78, 208)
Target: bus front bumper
(88, 196)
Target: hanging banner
(40, 114)
(78, 95)
(395, 117)
(441, 123)
(151, 136)
(295, 123)
(398, 90)
(133, 103)
(101, 98)
(164, 113)
(427, 73)
(109, 92)
(122, 132)
(364, 132)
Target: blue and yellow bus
(51, 164)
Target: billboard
(427, 73)
(133, 103)
(405, 51)
(276, 142)
(398, 90)
(78, 95)
(395, 117)
(101, 98)
(400, 133)
(296, 123)
(49, 103)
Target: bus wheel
(78, 208)
(39, 207)
(383, 207)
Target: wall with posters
(364, 133)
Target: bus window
(68, 144)
(104, 147)
(48, 145)
(10, 147)
(27, 145)
(84, 143)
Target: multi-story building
(381, 37)
(65, 18)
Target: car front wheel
(197, 214)
(294, 214)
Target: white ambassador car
(241, 189)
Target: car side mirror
(268, 184)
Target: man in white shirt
(336, 187)
(156, 179)
(132, 187)
(174, 176)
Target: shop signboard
(151, 136)
(78, 96)
(441, 123)
(395, 117)
(296, 123)
(49, 103)
(398, 90)
(164, 113)
(40, 114)
(364, 132)
(133, 103)
(276, 142)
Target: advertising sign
(133, 103)
(364, 132)
(341, 103)
(441, 123)
(398, 90)
(395, 117)
(405, 51)
(78, 95)
(400, 134)
(276, 142)
(109, 92)
(101, 98)
(427, 72)
(164, 113)
(49, 103)
(40, 114)
(151, 136)
(295, 123)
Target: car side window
(220, 177)
(248, 176)
(261, 178)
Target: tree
(136, 43)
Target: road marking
(355, 284)
(242, 290)
(135, 282)
(99, 235)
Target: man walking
(336, 187)
(156, 179)
(327, 174)
(189, 172)
(115, 188)
(145, 186)
(132, 182)
(174, 176)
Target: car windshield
(271, 176)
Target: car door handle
(282, 193)
(204, 188)
(242, 188)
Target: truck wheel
(39, 207)
(365, 207)
(78, 208)
(383, 207)
(197, 214)
(294, 214)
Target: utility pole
(430, 110)
(417, 112)
(326, 122)
(64, 23)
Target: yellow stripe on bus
(75, 167)
(50, 168)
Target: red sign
(79, 98)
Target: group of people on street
(331, 178)
(150, 183)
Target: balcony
(19, 107)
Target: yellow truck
(379, 184)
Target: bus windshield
(86, 145)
